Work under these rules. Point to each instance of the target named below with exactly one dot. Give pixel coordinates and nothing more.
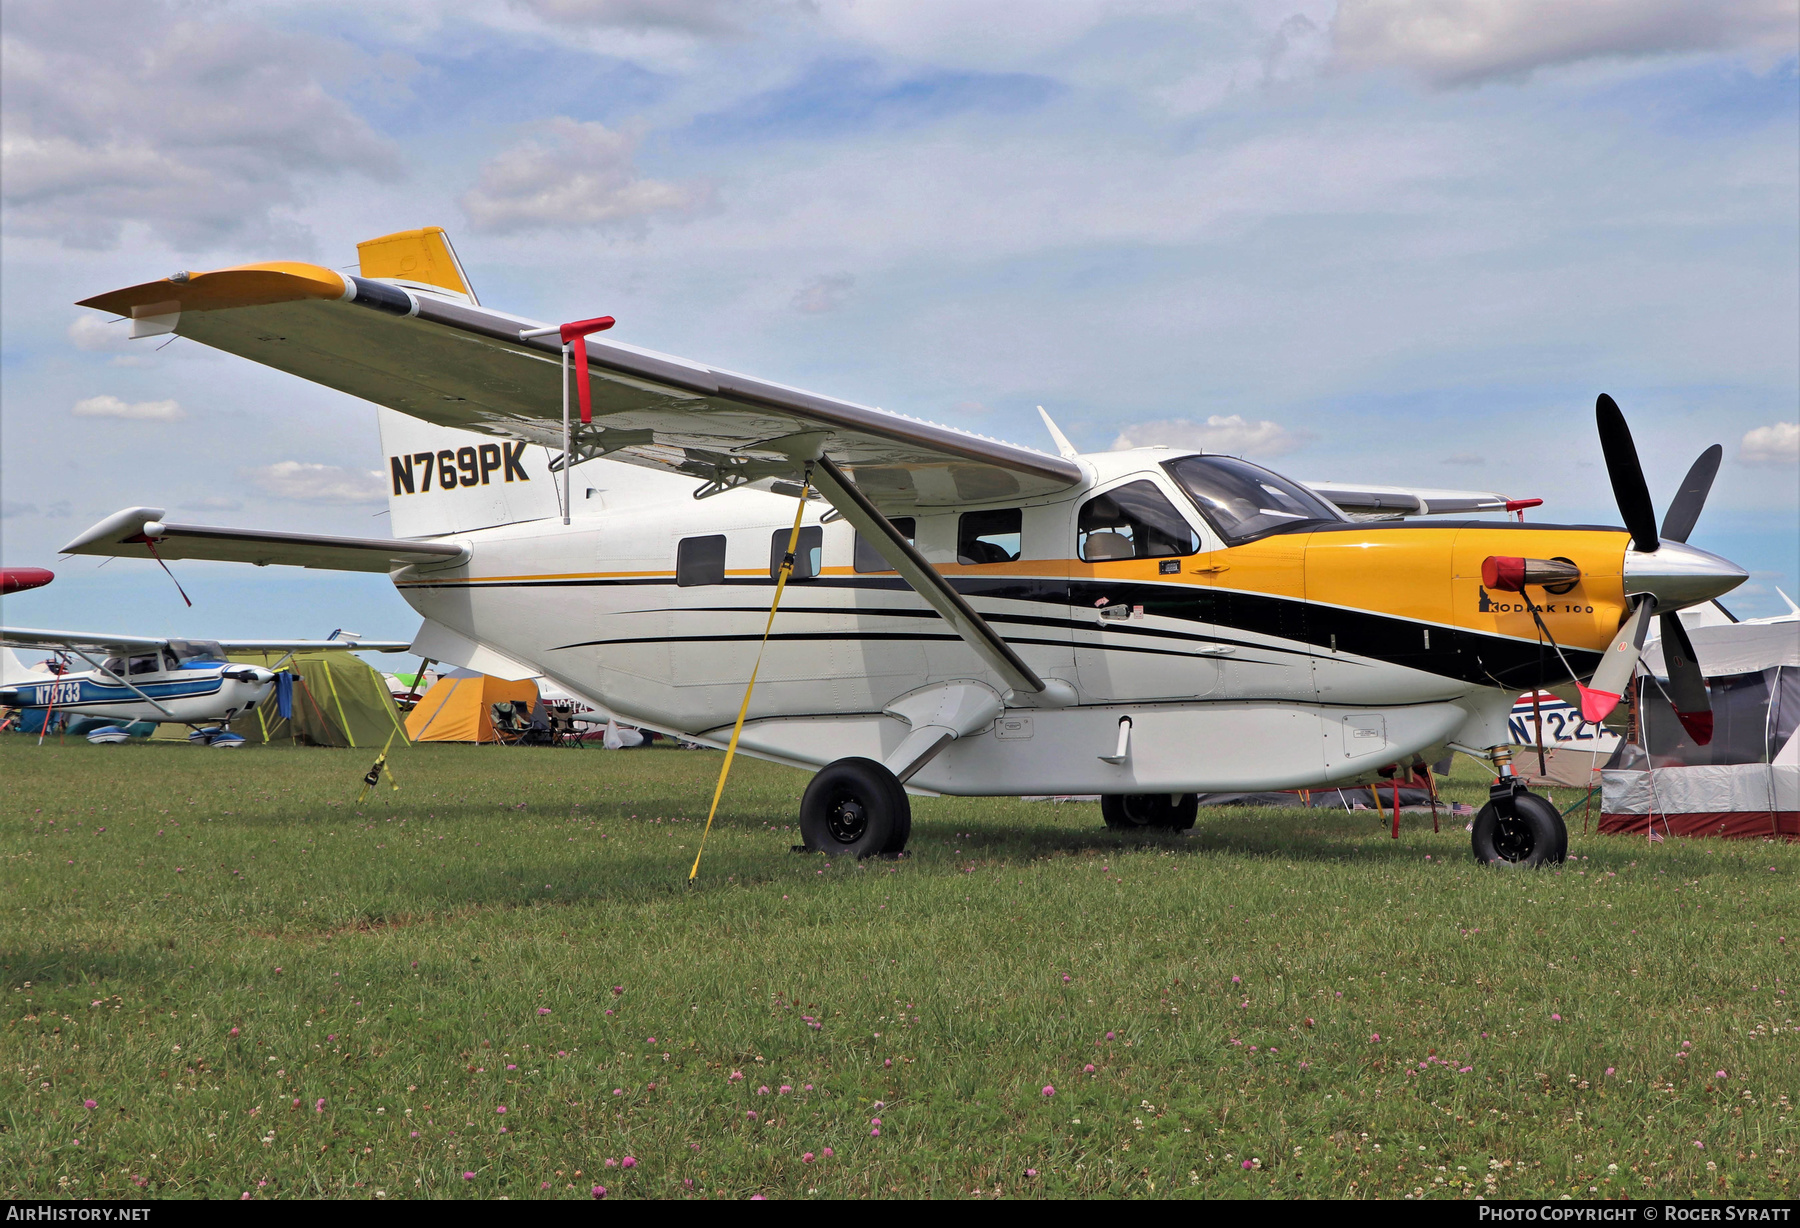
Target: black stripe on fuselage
(1453, 652)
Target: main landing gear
(855, 808)
(1517, 827)
(1149, 811)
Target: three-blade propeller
(1687, 686)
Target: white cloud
(108, 406)
(702, 17)
(1219, 433)
(824, 293)
(583, 176)
(122, 111)
(11, 508)
(310, 483)
(213, 503)
(1465, 458)
(1462, 42)
(1775, 444)
(93, 332)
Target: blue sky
(1401, 240)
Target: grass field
(494, 982)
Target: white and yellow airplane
(965, 616)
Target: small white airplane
(141, 678)
(966, 616)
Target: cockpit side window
(114, 665)
(1134, 521)
(169, 661)
(143, 665)
(1244, 501)
(990, 537)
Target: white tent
(1746, 781)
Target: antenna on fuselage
(1063, 446)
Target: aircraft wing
(127, 534)
(33, 637)
(1364, 502)
(460, 365)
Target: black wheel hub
(1513, 840)
(847, 820)
(1140, 810)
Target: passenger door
(1139, 624)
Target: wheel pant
(781, 579)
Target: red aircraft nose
(18, 579)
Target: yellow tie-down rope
(781, 579)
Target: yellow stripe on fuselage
(1425, 574)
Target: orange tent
(462, 709)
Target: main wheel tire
(855, 808)
(1534, 835)
(1149, 811)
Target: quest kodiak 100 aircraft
(965, 616)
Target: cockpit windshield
(197, 651)
(1244, 501)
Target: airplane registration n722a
(965, 616)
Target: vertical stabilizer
(421, 259)
(442, 480)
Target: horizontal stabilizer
(133, 532)
(37, 637)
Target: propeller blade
(1679, 520)
(1629, 489)
(1608, 684)
(1687, 686)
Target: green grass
(241, 941)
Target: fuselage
(1338, 641)
(189, 692)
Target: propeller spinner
(1663, 574)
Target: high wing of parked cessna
(141, 678)
(966, 616)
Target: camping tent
(461, 709)
(338, 700)
(1746, 781)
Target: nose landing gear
(1517, 827)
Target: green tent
(339, 700)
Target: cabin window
(989, 537)
(1134, 521)
(700, 560)
(169, 661)
(114, 665)
(806, 551)
(1244, 501)
(143, 665)
(868, 558)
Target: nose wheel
(855, 808)
(1519, 828)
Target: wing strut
(904, 558)
(101, 669)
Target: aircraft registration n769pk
(965, 616)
